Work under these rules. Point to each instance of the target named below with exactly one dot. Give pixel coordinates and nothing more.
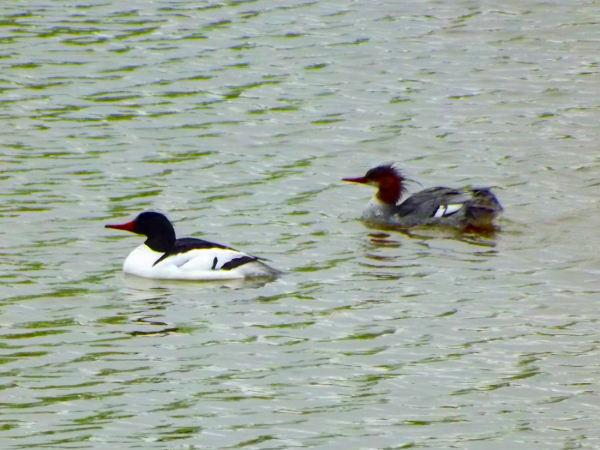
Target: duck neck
(162, 242)
(390, 191)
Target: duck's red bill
(356, 180)
(129, 226)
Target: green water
(238, 120)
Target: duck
(163, 256)
(466, 209)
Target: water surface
(238, 120)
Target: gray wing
(427, 203)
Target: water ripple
(238, 119)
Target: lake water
(238, 119)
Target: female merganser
(163, 256)
(466, 209)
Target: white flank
(195, 264)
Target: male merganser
(466, 209)
(163, 256)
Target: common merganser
(162, 256)
(467, 209)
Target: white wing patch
(447, 210)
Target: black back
(186, 244)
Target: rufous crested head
(387, 178)
(383, 171)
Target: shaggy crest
(382, 171)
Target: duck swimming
(163, 256)
(467, 209)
